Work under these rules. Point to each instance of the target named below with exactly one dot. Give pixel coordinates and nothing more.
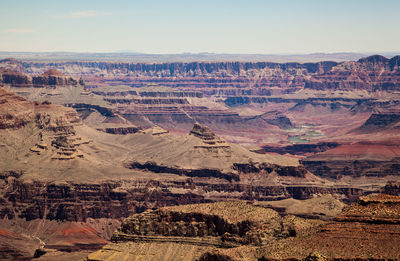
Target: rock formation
(119, 129)
(54, 124)
(235, 231)
(358, 159)
(334, 97)
(379, 122)
(362, 74)
(371, 73)
(149, 148)
(201, 227)
(8, 76)
(51, 77)
(16, 112)
(203, 154)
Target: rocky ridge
(51, 77)
(365, 73)
(206, 226)
(357, 159)
(201, 153)
(55, 125)
(367, 230)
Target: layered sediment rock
(272, 117)
(215, 220)
(49, 78)
(374, 209)
(80, 201)
(8, 76)
(120, 129)
(370, 73)
(391, 188)
(380, 122)
(55, 125)
(16, 112)
(53, 77)
(359, 159)
(337, 169)
(204, 226)
(146, 101)
(178, 115)
(201, 153)
(300, 149)
(367, 230)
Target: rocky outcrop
(372, 223)
(154, 167)
(16, 112)
(212, 157)
(66, 146)
(53, 77)
(300, 149)
(13, 64)
(55, 124)
(391, 188)
(272, 117)
(380, 122)
(208, 226)
(367, 230)
(146, 101)
(359, 159)
(191, 69)
(120, 130)
(174, 115)
(105, 111)
(337, 169)
(118, 199)
(370, 73)
(165, 94)
(374, 73)
(78, 202)
(375, 209)
(49, 78)
(224, 222)
(8, 76)
(292, 171)
(207, 136)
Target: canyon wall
(372, 73)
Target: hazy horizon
(220, 27)
(186, 57)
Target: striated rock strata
(367, 230)
(201, 153)
(203, 227)
(51, 77)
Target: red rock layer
(51, 77)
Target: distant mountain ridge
(184, 57)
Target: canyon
(179, 148)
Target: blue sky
(235, 26)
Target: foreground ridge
(237, 230)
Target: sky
(216, 26)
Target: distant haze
(215, 26)
(185, 57)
